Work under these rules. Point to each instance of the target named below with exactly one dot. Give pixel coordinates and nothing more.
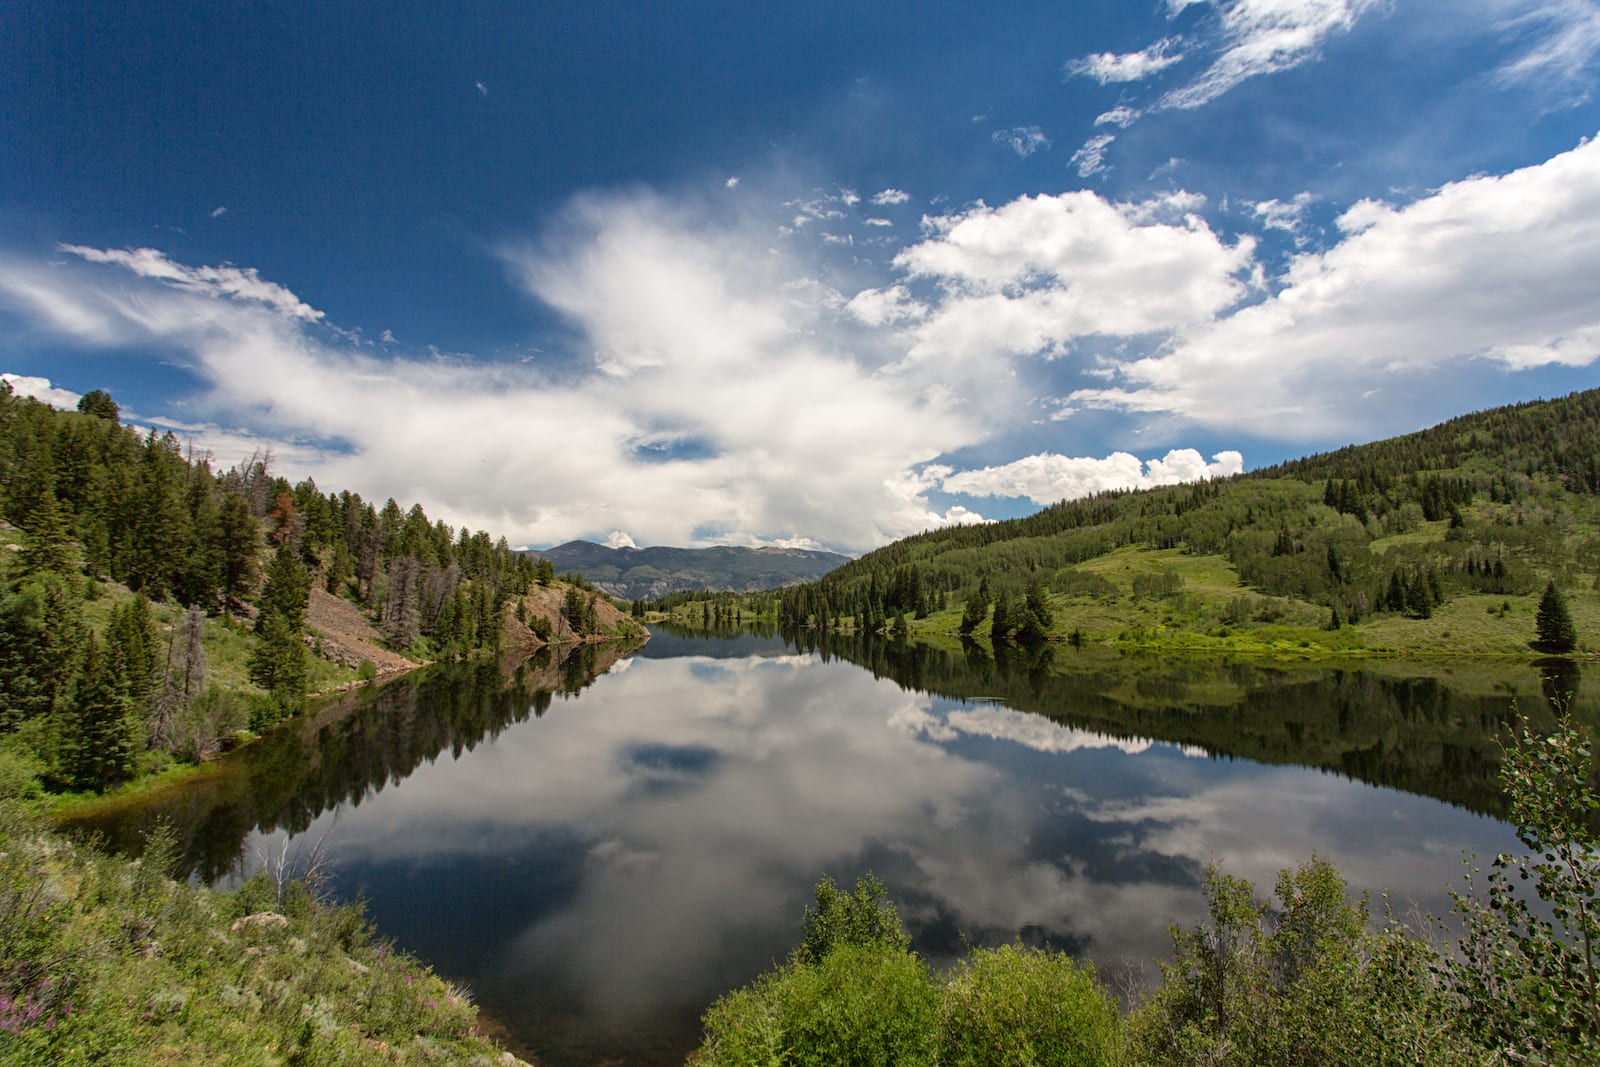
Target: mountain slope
(652, 573)
(1482, 510)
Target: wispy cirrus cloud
(1561, 58)
(1090, 158)
(1259, 37)
(1108, 67)
(1244, 39)
(1119, 116)
(224, 281)
(1285, 215)
(1023, 140)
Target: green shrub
(874, 1005)
(1018, 1006)
(1530, 975)
(862, 1004)
(1304, 981)
(864, 917)
(19, 775)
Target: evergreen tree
(278, 665)
(574, 610)
(286, 591)
(977, 609)
(47, 545)
(98, 402)
(238, 542)
(1039, 604)
(972, 616)
(1002, 625)
(42, 637)
(100, 738)
(132, 653)
(1552, 626)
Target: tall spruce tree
(100, 737)
(278, 664)
(1552, 626)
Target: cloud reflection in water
(601, 873)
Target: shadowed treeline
(1429, 729)
(346, 751)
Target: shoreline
(61, 806)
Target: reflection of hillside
(1414, 732)
(353, 747)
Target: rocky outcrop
(345, 635)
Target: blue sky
(697, 272)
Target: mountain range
(652, 573)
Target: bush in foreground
(855, 993)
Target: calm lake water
(600, 846)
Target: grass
(1213, 613)
(109, 961)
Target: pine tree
(238, 541)
(100, 738)
(1553, 628)
(48, 542)
(42, 637)
(278, 665)
(132, 653)
(573, 609)
(1002, 625)
(1039, 604)
(286, 591)
(98, 402)
(977, 609)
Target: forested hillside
(151, 607)
(1497, 506)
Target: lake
(601, 844)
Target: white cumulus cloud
(1032, 275)
(1496, 268)
(891, 196)
(801, 427)
(1048, 477)
(42, 390)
